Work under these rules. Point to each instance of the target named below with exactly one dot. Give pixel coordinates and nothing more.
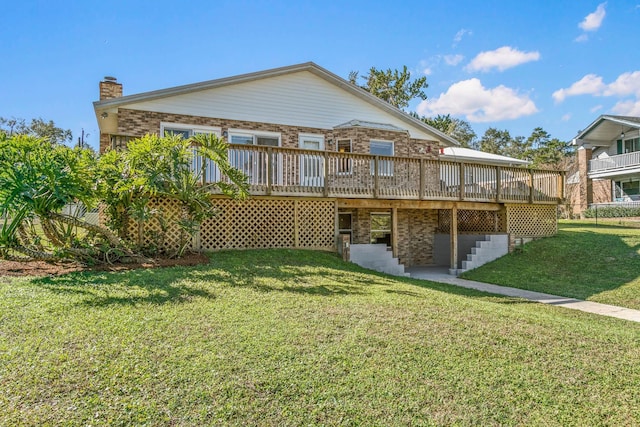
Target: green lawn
(597, 263)
(282, 337)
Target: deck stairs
(377, 257)
(492, 247)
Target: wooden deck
(275, 171)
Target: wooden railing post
(498, 184)
(376, 180)
(530, 186)
(423, 174)
(326, 174)
(560, 181)
(269, 170)
(461, 196)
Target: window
(345, 164)
(344, 225)
(210, 170)
(381, 228)
(186, 131)
(382, 148)
(632, 145)
(254, 163)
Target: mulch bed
(43, 268)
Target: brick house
(608, 166)
(326, 159)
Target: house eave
(114, 103)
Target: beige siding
(299, 99)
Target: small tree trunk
(111, 238)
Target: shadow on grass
(287, 271)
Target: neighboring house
(608, 169)
(326, 158)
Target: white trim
(193, 128)
(311, 137)
(393, 146)
(255, 133)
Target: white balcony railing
(308, 173)
(620, 161)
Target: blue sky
(513, 65)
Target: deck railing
(619, 161)
(308, 173)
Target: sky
(513, 65)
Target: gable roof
(606, 128)
(311, 67)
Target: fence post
(422, 179)
(531, 186)
(376, 181)
(326, 174)
(461, 196)
(269, 170)
(498, 184)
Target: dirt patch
(42, 268)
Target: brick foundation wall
(416, 228)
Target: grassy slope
(300, 338)
(597, 263)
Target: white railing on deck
(296, 172)
(619, 161)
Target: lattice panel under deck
(270, 223)
(316, 223)
(532, 220)
(255, 223)
(475, 221)
(152, 234)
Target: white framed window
(210, 170)
(250, 137)
(345, 165)
(253, 162)
(187, 130)
(382, 148)
(311, 165)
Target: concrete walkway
(441, 275)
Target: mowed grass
(283, 337)
(598, 263)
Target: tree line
(397, 88)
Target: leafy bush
(612, 212)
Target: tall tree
(459, 129)
(495, 141)
(393, 86)
(37, 127)
(547, 152)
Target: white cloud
(479, 104)
(596, 108)
(626, 84)
(593, 21)
(627, 108)
(460, 34)
(427, 71)
(582, 38)
(589, 84)
(501, 58)
(453, 59)
(566, 117)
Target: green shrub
(612, 212)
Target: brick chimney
(110, 88)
